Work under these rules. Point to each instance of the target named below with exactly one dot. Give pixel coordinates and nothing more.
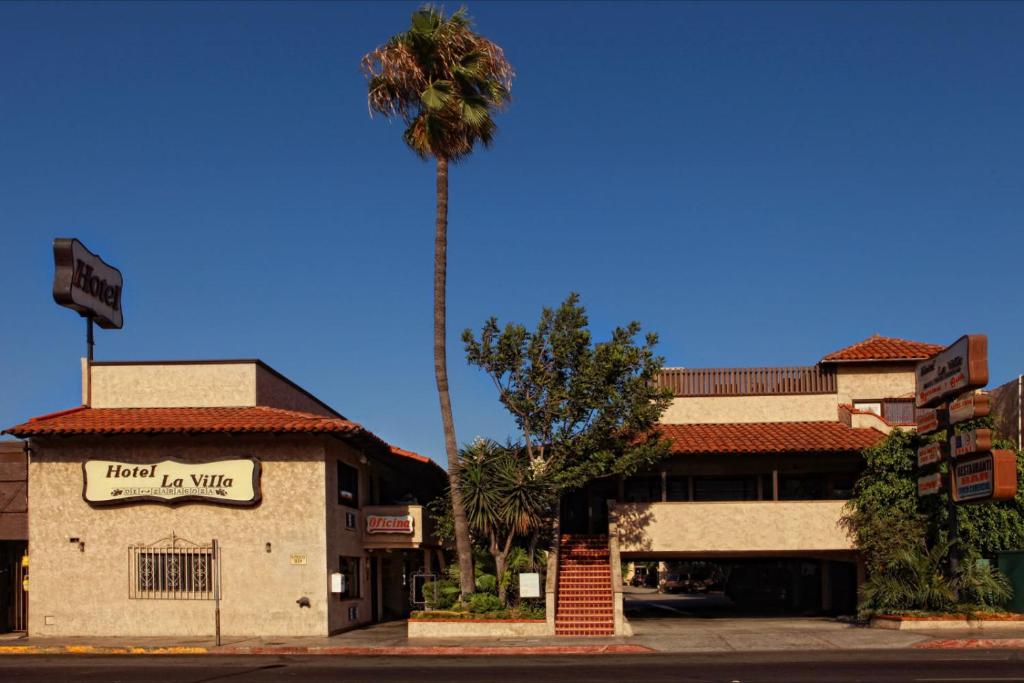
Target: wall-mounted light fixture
(267, 547)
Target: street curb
(448, 651)
(972, 644)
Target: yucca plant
(445, 82)
(504, 499)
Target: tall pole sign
(85, 283)
(946, 384)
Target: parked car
(675, 583)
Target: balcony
(730, 528)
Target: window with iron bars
(176, 571)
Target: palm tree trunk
(463, 546)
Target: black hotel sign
(85, 283)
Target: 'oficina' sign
(83, 282)
(389, 524)
(225, 482)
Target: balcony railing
(812, 379)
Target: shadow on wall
(632, 520)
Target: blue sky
(759, 183)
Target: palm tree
(445, 82)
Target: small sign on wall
(297, 559)
(529, 585)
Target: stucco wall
(86, 593)
(198, 385)
(273, 391)
(713, 409)
(344, 541)
(738, 528)
(859, 382)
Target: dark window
(348, 485)
(643, 489)
(802, 487)
(349, 569)
(678, 488)
(841, 487)
(724, 488)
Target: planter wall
(478, 628)
(953, 621)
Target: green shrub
(481, 603)
(487, 583)
(440, 594)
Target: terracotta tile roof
(878, 348)
(245, 419)
(84, 420)
(768, 437)
(401, 452)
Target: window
(725, 488)
(348, 485)
(643, 489)
(171, 573)
(677, 488)
(802, 487)
(348, 567)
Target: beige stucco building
(306, 522)
(762, 462)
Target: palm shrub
(912, 579)
(981, 584)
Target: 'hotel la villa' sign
(224, 482)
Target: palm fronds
(443, 79)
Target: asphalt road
(965, 666)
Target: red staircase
(585, 606)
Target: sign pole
(89, 341)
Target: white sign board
(227, 482)
(529, 585)
(926, 455)
(929, 484)
(973, 441)
(83, 282)
(968, 408)
(960, 367)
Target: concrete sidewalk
(652, 636)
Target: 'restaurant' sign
(968, 408)
(225, 482)
(989, 476)
(83, 282)
(389, 524)
(954, 370)
(974, 441)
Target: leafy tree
(504, 499)
(584, 409)
(445, 82)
